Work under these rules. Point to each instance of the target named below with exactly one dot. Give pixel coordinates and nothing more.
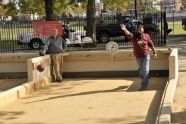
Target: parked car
(104, 32)
(110, 27)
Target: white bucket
(78, 38)
(71, 36)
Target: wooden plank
(109, 57)
(87, 57)
(15, 58)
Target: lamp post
(135, 8)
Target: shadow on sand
(179, 117)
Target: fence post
(165, 27)
(13, 42)
(161, 27)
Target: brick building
(159, 5)
(171, 5)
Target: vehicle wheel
(30, 45)
(35, 43)
(103, 38)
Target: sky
(5, 1)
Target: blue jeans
(144, 64)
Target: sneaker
(59, 80)
(142, 89)
(53, 80)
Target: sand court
(88, 101)
(88, 94)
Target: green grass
(11, 34)
(5, 44)
(176, 28)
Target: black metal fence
(154, 24)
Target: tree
(11, 8)
(59, 6)
(31, 6)
(56, 7)
(2, 9)
(184, 4)
(119, 5)
(91, 22)
(49, 9)
(144, 4)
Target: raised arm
(127, 33)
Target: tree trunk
(91, 21)
(49, 9)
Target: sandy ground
(88, 101)
(6, 84)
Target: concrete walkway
(88, 101)
(179, 105)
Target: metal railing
(154, 24)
